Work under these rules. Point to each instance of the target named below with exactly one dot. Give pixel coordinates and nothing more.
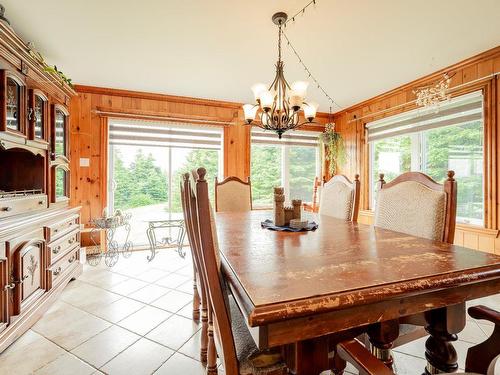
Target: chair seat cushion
(252, 361)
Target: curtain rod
(413, 101)
(159, 118)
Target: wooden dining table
(298, 289)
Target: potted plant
(332, 146)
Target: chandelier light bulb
(300, 87)
(310, 111)
(295, 100)
(266, 100)
(250, 111)
(257, 90)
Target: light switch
(84, 162)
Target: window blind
(164, 134)
(459, 110)
(291, 138)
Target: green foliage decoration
(335, 148)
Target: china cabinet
(39, 231)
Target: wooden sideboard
(39, 232)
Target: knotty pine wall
(93, 106)
(477, 72)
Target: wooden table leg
(443, 325)
(382, 336)
(309, 357)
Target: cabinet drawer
(59, 248)
(18, 205)
(65, 265)
(60, 228)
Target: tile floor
(135, 318)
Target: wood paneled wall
(92, 108)
(476, 73)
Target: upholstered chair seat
(339, 198)
(233, 195)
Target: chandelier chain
(302, 11)
(310, 75)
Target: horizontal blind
(291, 138)
(457, 111)
(164, 134)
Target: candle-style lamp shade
(250, 111)
(266, 100)
(310, 111)
(257, 90)
(300, 88)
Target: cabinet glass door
(60, 133)
(61, 183)
(39, 113)
(13, 104)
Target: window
(146, 163)
(435, 142)
(292, 162)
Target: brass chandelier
(281, 103)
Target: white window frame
(285, 165)
(418, 160)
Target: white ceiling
(217, 49)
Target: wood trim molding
(422, 80)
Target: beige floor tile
(180, 364)
(144, 320)
(186, 311)
(408, 365)
(66, 364)
(472, 333)
(187, 287)
(128, 287)
(107, 279)
(104, 346)
(151, 275)
(88, 297)
(118, 310)
(186, 271)
(192, 347)
(41, 352)
(143, 357)
(173, 301)
(68, 326)
(173, 280)
(149, 293)
(174, 332)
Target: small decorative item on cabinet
(13, 106)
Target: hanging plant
(334, 144)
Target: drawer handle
(71, 240)
(56, 230)
(10, 286)
(56, 250)
(41, 202)
(72, 259)
(6, 208)
(57, 271)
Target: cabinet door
(59, 131)
(4, 295)
(37, 115)
(13, 103)
(28, 274)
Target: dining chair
(413, 203)
(231, 340)
(233, 195)
(483, 358)
(200, 297)
(340, 198)
(313, 206)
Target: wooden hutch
(39, 232)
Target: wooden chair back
(418, 205)
(192, 229)
(208, 252)
(233, 195)
(340, 198)
(313, 206)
